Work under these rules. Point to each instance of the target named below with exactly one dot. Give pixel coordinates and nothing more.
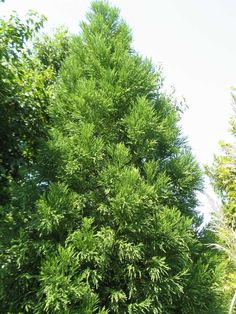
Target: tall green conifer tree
(106, 223)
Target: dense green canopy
(104, 220)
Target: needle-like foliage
(106, 223)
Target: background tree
(105, 222)
(28, 69)
(223, 176)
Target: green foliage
(28, 69)
(222, 173)
(105, 222)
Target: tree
(105, 222)
(26, 78)
(223, 177)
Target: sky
(192, 40)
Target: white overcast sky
(193, 40)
